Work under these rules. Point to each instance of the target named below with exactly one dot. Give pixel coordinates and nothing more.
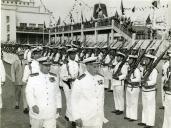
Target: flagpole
(43, 34)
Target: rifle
(153, 44)
(167, 85)
(114, 44)
(150, 68)
(155, 52)
(117, 73)
(138, 61)
(141, 45)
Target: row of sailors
(72, 69)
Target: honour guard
(43, 96)
(87, 97)
(164, 78)
(118, 83)
(148, 93)
(167, 89)
(69, 72)
(132, 90)
(33, 66)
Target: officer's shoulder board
(100, 74)
(81, 77)
(34, 74)
(53, 74)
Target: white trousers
(90, 127)
(41, 123)
(0, 97)
(162, 92)
(118, 95)
(149, 107)
(167, 112)
(67, 92)
(132, 96)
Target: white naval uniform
(164, 78)
(132, 95)
(107, 72)
(87, 100)
(44, 92)
(118, 87)
(149, 100)
(74, 71)
(2, 75)
(30, 69)
(167, 110)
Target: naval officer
(87, 97)
(43, 96)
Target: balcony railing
(32, 29)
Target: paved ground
(12, 118)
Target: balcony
(36, 30)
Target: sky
(63, 7)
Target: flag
(71, 18)
(133, 9)
(59, 21)
(82, 18)
(44, 25)
(122, 8)
(116, 14)
(148, 20)
(155, 3)
(64, 23)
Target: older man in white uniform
(87, 97)
(43, 97)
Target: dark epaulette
(53, 74)
(34, 74)
(82, 76)
(100, 74)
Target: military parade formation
(85, 75)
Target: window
(7, 19)
(8, 28)
(32, 25)
(8, 37)
(40, 25)
(23, 24)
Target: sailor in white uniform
(167, 89)
(69, 73)
(149, 94)
(132, 90)
(118, 83)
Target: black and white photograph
(85, 64)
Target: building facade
(23, 22)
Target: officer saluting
(87, 97)
(43, 96)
